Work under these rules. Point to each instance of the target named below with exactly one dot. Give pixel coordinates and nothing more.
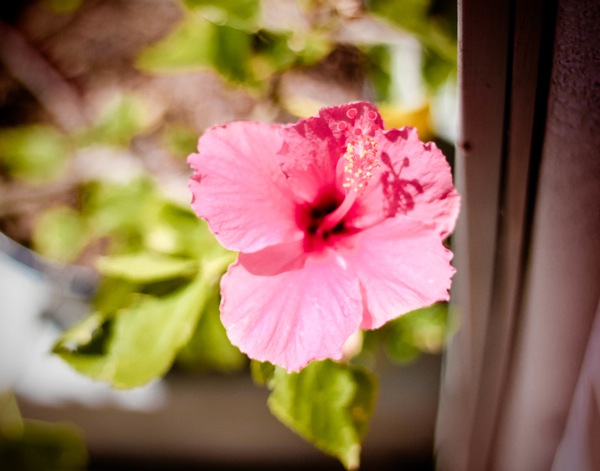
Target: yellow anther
(361, 157)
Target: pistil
(360, 166)
(334, 218)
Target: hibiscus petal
(295, 317)
(416, 181)
(313, 146)
(401, 265)
(275, 259)
(358, 115)
(424, 176)
(238, 186)
(308, 157)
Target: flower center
(311, 217)
(324, 218)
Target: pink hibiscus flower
(339, 224)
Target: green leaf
(410, 15)
(120, 210)
(379, 70)
(146, 267)
(187, 47)
(209, 347)
(11, 422)
(121, 119)
(197, 43)
(113, 294)
(271, 53)
(327, 403)
(143, 338)
(312, 47)
(34, 445)
(423, 330)
(435, 32)
(437, 70)
(60, 234)
(280, 51)
(34, 153)
(89, 337)
(241, 14)
(178, 231)
(231, 54)
(262, 372)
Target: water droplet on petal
(372, 115)
(351, 113)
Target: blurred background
(100, 104)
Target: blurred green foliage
(34, 153)
(423, 330)
(121, 119)
(199, 43)
(239, 14)
(31, 445)
(228, 37)
(61, 233)
(435, 31)
(156, 288)
(141, 339)
(209, 349)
